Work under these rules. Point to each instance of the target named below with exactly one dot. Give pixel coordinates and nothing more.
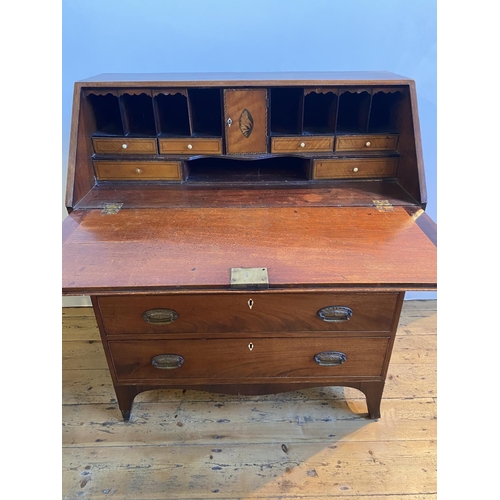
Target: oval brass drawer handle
(167, 361)
(160, 316)
(330, 358)
(334, 314)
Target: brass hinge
(111, 208)
(417, 214)
(383, 206)
(249, 277)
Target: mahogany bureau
(247, 233)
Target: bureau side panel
(109, 358)
(80, 177)
(411, 174)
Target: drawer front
(138, 170)
(191, 146)
(355, 168)
(248, 312)
(124, 146)
(319, 144)
(247, 358)
(366, 143)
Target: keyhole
(250, 303)
(250, 346)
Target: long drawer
(355, 168)
(247, 358)
(248, 312)
(138, 170)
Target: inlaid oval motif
(246, 123)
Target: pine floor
(307, 444)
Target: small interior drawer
(366, 142)
(124, 146)
(248, 358)
(138, 170)
(319, 144)
(248, 312)
(191, 146)
(354, 168)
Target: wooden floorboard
(315, 443)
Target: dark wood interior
(172, 114)
(286, 110)
(295, 108)
(206, 112)
(320, 111)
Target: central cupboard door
(245, 116)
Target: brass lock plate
(249, 277)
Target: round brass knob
(302, 144)
(355, 169)
(368, 144)
(124, 146)
(138, 170)
(190, 146)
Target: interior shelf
(173, 114)
(206, 112)
(211, 194)
(320, 112)
(198, 112)
(353, 112)
(286, 110)
(138, 115)
(106, 112)
(280, 169)
(384, 112)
